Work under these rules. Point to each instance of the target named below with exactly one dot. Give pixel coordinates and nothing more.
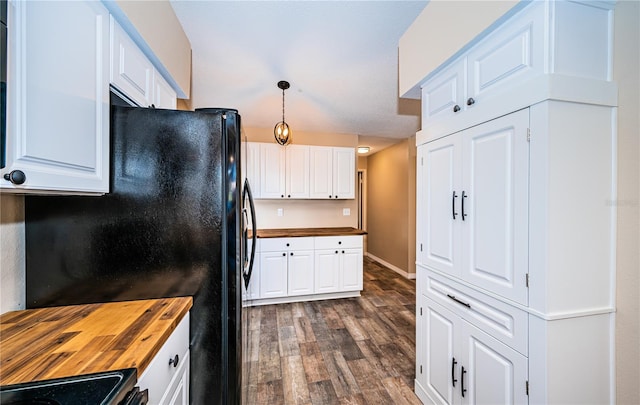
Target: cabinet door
(251, 166)
(344, 173)
(163, 95)
(438, 370)
(273, 274)
(442, 93)
(494, 373)
(321, 172)
(495, 216)
(131, 71)
(327, 271)
(58, 96)
(161, 377)
(272, 171)
(178, 391)
(351, 270)
(301, 272)
(297, 178)
(440, 196)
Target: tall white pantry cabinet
(516, 229)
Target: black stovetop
(108, 388)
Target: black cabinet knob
(16, 177)
(339, 242)
(289, 196)
(471, 101)
(456, 108)
(291, 253)
(284, 254)
(281, 195)
(174, 361)
(343, 251)
(336, 252)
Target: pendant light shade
(281, 132)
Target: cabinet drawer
(502, 321)
(281, 244)
(159, 374)
(338, 242)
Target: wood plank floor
(346, 351)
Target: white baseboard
(410, 276)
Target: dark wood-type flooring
(343, 351)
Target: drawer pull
(458, 301)
(174, 361)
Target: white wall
(12, 264)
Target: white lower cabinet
(327, 274)
(305, 268)
(300, 272)
(167, 376)
(458, 363)
(273, 274)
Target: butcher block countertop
(299, 232)
(44, 343)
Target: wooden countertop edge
(307, 232)
(38, 344)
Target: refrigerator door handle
(247, 271)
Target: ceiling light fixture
(281, 132)
(363, 149)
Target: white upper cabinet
(131, 71)
(443, 95)
(58, 98)
(251, 166)
(133, 74)
(332, 172)
(321, 172)
(344, 173)
(538, 54)
(297, 175)
(304, 171)
(284, 171)
(163, 95)
(272, 171)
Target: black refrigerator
(174, 223)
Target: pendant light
(281, 132)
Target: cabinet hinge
(421, 161)
(528, 134)
(420, 311)
(526, 387)
(421, 369)
(421, 247)
(527, 279)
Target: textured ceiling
(340, 57)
